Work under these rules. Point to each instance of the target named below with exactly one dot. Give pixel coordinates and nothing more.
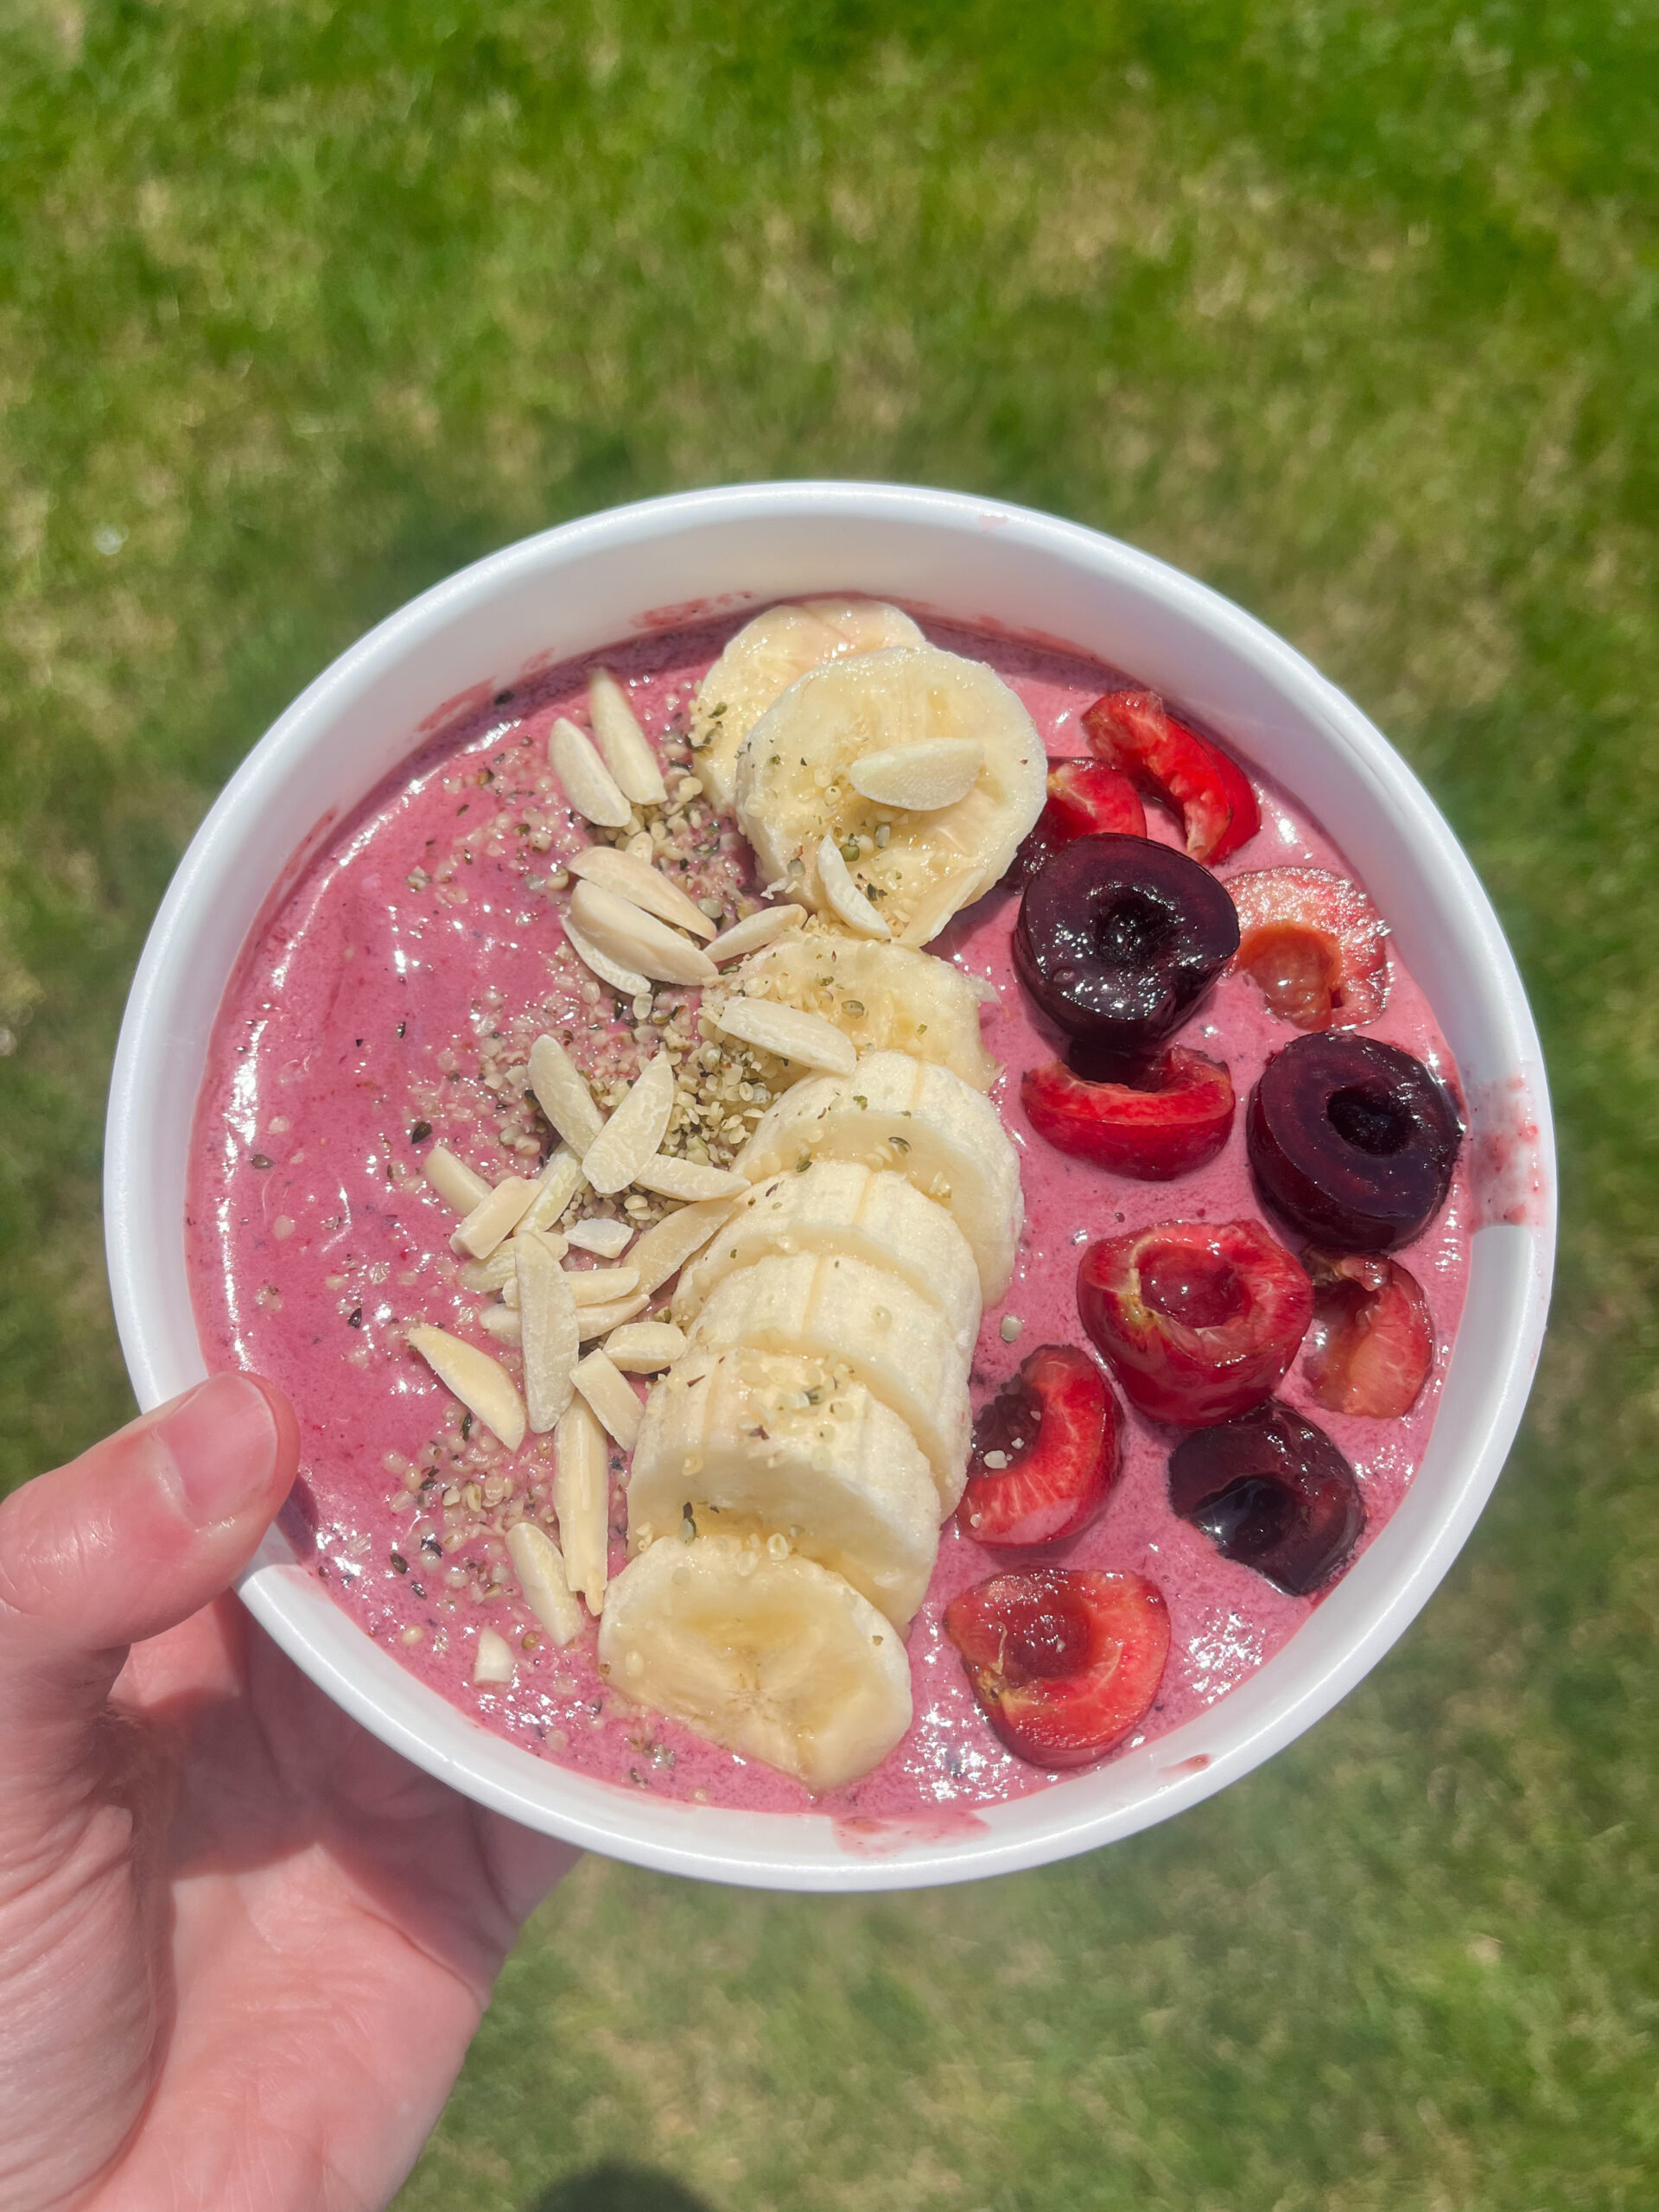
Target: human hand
(243, 1945)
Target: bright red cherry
(1085, 799)
(1197, 1319)
(1064, 1661)
(1045, 1452)
(1315, 943)
(1372, 1342)
(1170, 1116)
(1134, 731)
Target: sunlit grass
(1351, 311)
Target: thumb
(130, 1539)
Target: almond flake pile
(550, 1260)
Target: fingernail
(221, 1439)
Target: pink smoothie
(387, 999)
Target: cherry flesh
(1117, 940)
(1352, 1140)
(1372, 1341)
(1085, 798)
(1047, 1451)
(1196, 1319)
(1271, 1491)
(1064, 1661)
(1315, 943)
(1165, 1119)
(1135, 732)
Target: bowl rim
(284, 1598)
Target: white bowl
(611, 577)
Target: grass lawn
(1351, 309)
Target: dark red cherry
(1352, 1140)
(1168, 1118)
(1117, 940)
(1272, 1491)
(1085, 798)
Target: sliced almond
(481, 1384)
(597, 1321)
(617, 732)
(634, 1133)
(846, 901)
(497, 1273)
(602, 1286)
(495, 1217)
(673, 1178)
(627, 982)
(626, 934)
(935, 907)
(493, 1661)
(453, 1181)
(610, 1393)
(663, 1250)
(561, 1093)
(503, 1324)
(791, 1033)
(589, 784)
(645, 1347)
(581, 1499)
(636, 881)
(763, 926)
(539, 1565)
(551, 1339)
(918, 778)
(609, 1239)
(556, 1185)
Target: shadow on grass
(618, 2186)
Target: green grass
(1352, 310)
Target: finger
(129, 1540)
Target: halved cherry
(1168, 1118)
(1372, 1342)
(1134, 731)
(1117, 940)
(1197, 1319)
(1045, 1452)
(1085, 799)
(1064, 1661)
(1272, 1491)
(1315, 943)
(1353, 1141)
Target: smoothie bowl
(899, 1174)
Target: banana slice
(775, 1659)
(842, 1206)
(894, 1111)
(886, 997)
(773, 1444)
(794, 782)
(866, 1322)
(765, 658)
